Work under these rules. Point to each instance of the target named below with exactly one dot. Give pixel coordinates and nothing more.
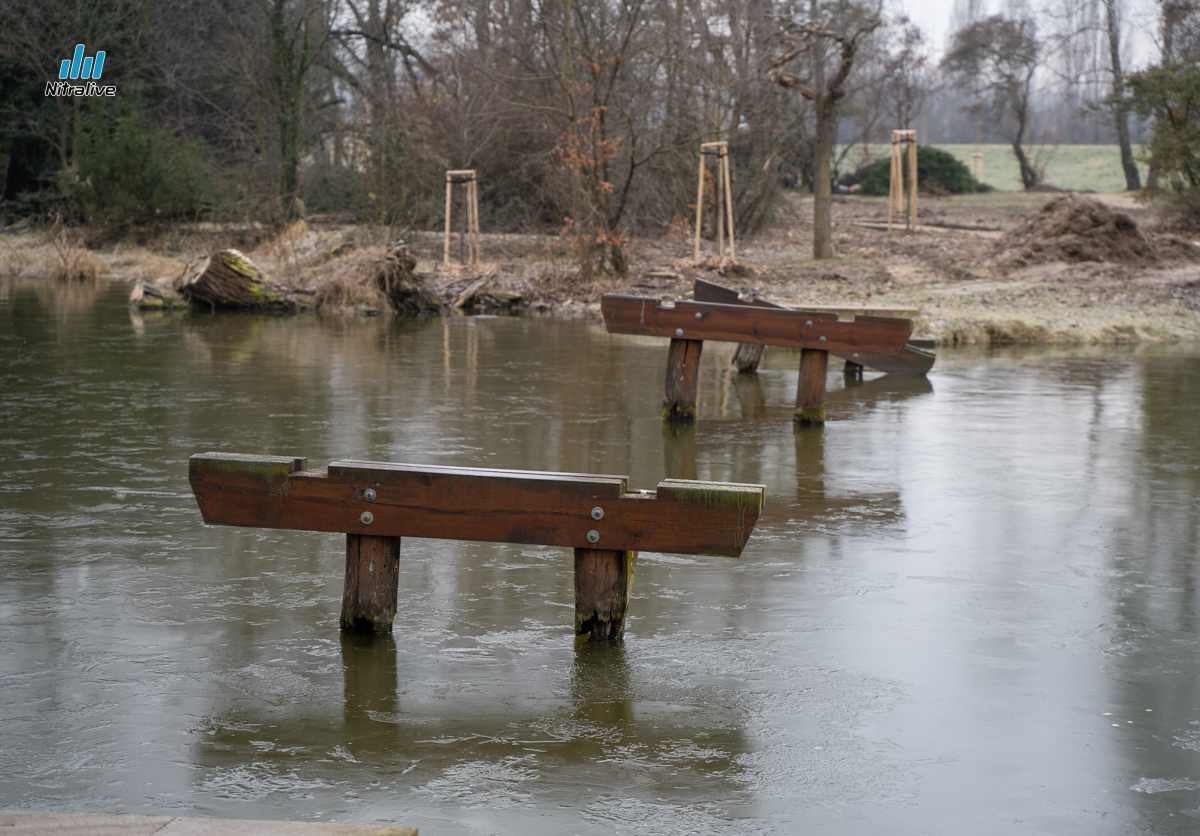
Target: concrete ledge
(35, 823)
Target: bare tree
(994, 60)
(827, 42)
(1118, 100)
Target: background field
(1091, 167)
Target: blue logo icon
(80, 67)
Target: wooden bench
(911, 361)
(688, 324)
(377, 503)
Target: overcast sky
(933, 16)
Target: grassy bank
(1094, 168)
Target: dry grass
(349, 285)
(72, 262)
(16, 258)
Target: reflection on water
(970, 604)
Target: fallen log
(147, 296)
(228, 279)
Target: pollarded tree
(994, 60)
(822, 47)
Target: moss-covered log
(228, 279)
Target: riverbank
(959, 268)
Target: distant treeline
(578, 114)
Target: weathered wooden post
(603, 580)
(810, 392)
(372, 578)
(683, 380)
(377, 503)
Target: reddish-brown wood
(910, 361)
(810, 392)
(603, 580)
(744, 323)
(508, 506)
(683, 377)
(372, 579)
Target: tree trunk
(1120, 108)
(822, 187)
(1029, 176)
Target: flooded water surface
(971, 605)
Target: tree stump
(228, 279)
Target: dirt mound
(1073, 228)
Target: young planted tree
(822, 48)
(994, 60)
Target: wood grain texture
(603, 581)
(683, 379)
(911, 361)
(810, 391)
(753, 324)
(372, 580)
(505, 506)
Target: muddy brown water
(971, 604)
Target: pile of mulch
(1075, 229)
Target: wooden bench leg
(683, 377)
(853, 371)
(810, 394)
(372, 578)
(603, 578)
(747, 357)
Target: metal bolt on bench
(597, 516)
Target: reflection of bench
(688, 324)
(377, 503)
(911, 361)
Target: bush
(937, 172)
(132, 171)
(1171, 95)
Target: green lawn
(1093, 167)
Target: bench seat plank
(752, 324)
(510, 506)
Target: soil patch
(1075, 229)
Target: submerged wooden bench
(688, 324)
(911, 361)
(377, 503)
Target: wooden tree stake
(467, 177)
(810, 393)
(724, 207)
(683, 377)
(896, 186)
(372, 579)
(603, 580)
